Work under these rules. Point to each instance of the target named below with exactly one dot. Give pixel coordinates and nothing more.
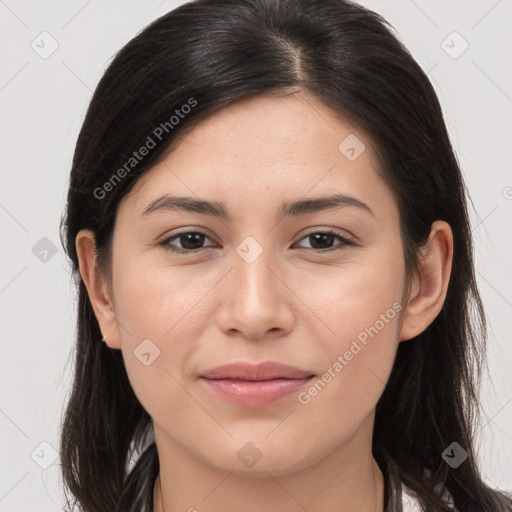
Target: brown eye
(190, 241)
(322, 241)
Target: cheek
(353, 295)
(158, 312)
(360, 306)
(157, 301)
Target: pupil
(322, 237)
(191, 237)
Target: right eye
(190, 241)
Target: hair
(208, 54)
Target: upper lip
(263, 371)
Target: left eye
(323, 237)
(191, 241)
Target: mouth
(248, 385)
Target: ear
(97, 288)
(428, 290)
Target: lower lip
(246, 393)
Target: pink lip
(259, 385)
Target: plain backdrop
(463, 45)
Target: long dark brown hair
(208, 54)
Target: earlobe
(431, 285)
(96, 287)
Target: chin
(257, 460)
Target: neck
(347, 480)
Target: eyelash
(166, 246)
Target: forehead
(275, 148)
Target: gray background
(43, 102)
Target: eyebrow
(215, 209)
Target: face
(316, 288)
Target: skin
(292, 305)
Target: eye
(320, 239)
(192, 241)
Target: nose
(256, 302)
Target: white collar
(411, 504)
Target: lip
(249, 385)
(266, 370)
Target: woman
(241, 369)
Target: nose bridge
(252, 275)
(255, 299)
